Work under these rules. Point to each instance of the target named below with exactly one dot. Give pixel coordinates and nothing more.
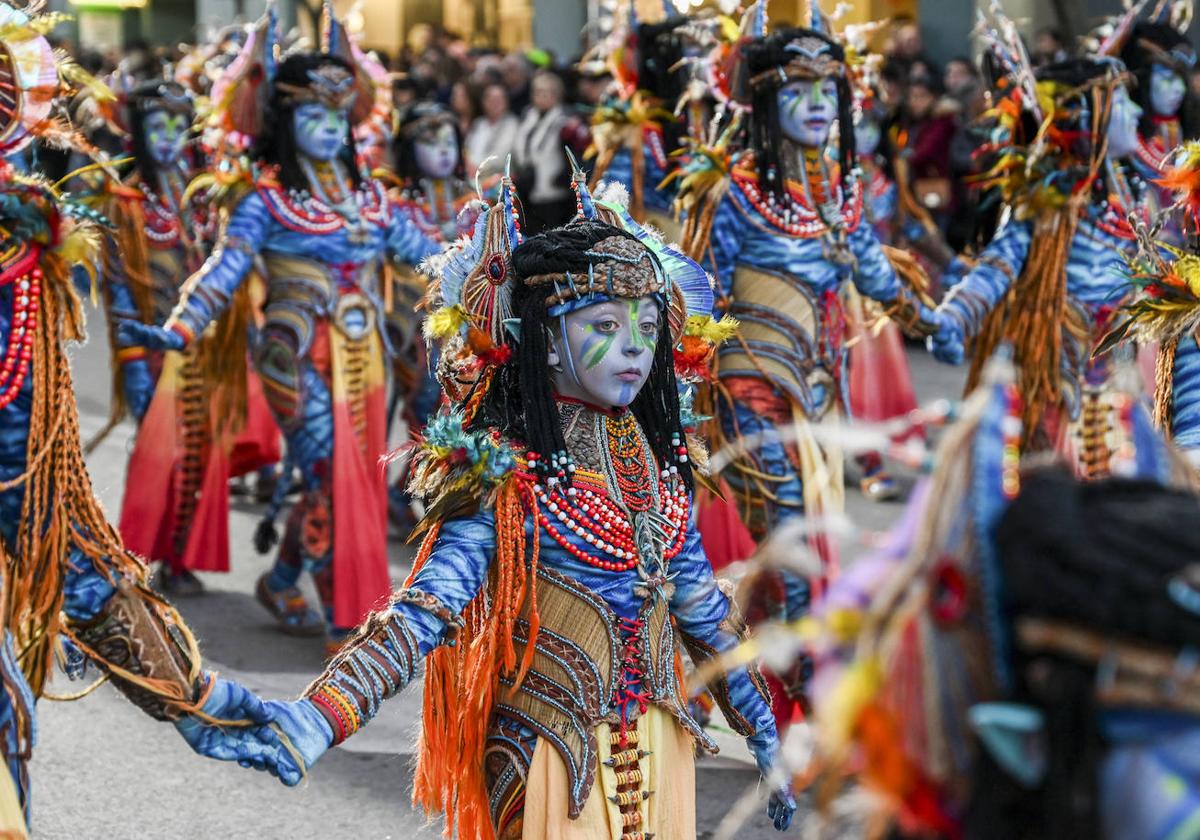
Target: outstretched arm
(406, 242)
(876, 277)
(981, 290)
(382, 656)
(142, 644)
(709, 626)
(207, 293)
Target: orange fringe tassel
(1032, 318)
(462, 682)
(1164, 382)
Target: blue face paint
(807, 109)
(165, 135)
(607, 350)
(1123, 125)
(437, 155)
(867, 135)
(320, 132)
(1167, 90)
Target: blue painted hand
(781, 807)
(252, 745)
(135, 334)
(308, 732)
(947, 345)
(138, 386)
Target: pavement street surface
(104, 770)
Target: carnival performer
(434, 195)
(1165, 313)
(319, 228)
(189, 409)
(1161, 60)
(1054, 273)
(784, 234)
(560, 574)
(978, 694)
(635, 128)
(65, 569)
(880, 380)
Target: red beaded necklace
(26, 279)
(601, 517)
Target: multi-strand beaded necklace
(627, 516)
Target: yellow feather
(446, 321)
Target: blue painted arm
(985, 286)
(454, 574)
(406, 242)
(702, 614)
(207, 294)
(725, 239)
(383, 657)
(875, 276)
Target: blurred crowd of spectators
(529, 104)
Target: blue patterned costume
(321, 347)
(781, 272)
(1096, 285)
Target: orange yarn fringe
(1164, 382)
(59, 509)
(1032, 318)
(462, 682)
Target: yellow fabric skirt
(669, 773)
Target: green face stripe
(596, 346)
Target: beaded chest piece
(629, 517)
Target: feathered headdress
(32, 75)
(240, 95)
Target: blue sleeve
(985, 286)
(1185, 395)
(207, 293)
(453, 575)
(725, 243)
(120, 296)
(702, 614)
(406, 242)
(874, 276)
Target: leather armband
(146, 651)
(912, 316)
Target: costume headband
(329, 85)
(808, 58)
(618, 267)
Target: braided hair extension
(521, 402)
(277, 143)
(660, 49)
(1140, 57)
(770, 53)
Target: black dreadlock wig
(141, 104)
(277, 144)
(1140, 56)
(660, 47)
(520, 402)
(764, 55)
(408, 132)
(1098, 556)
(1076, 121)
